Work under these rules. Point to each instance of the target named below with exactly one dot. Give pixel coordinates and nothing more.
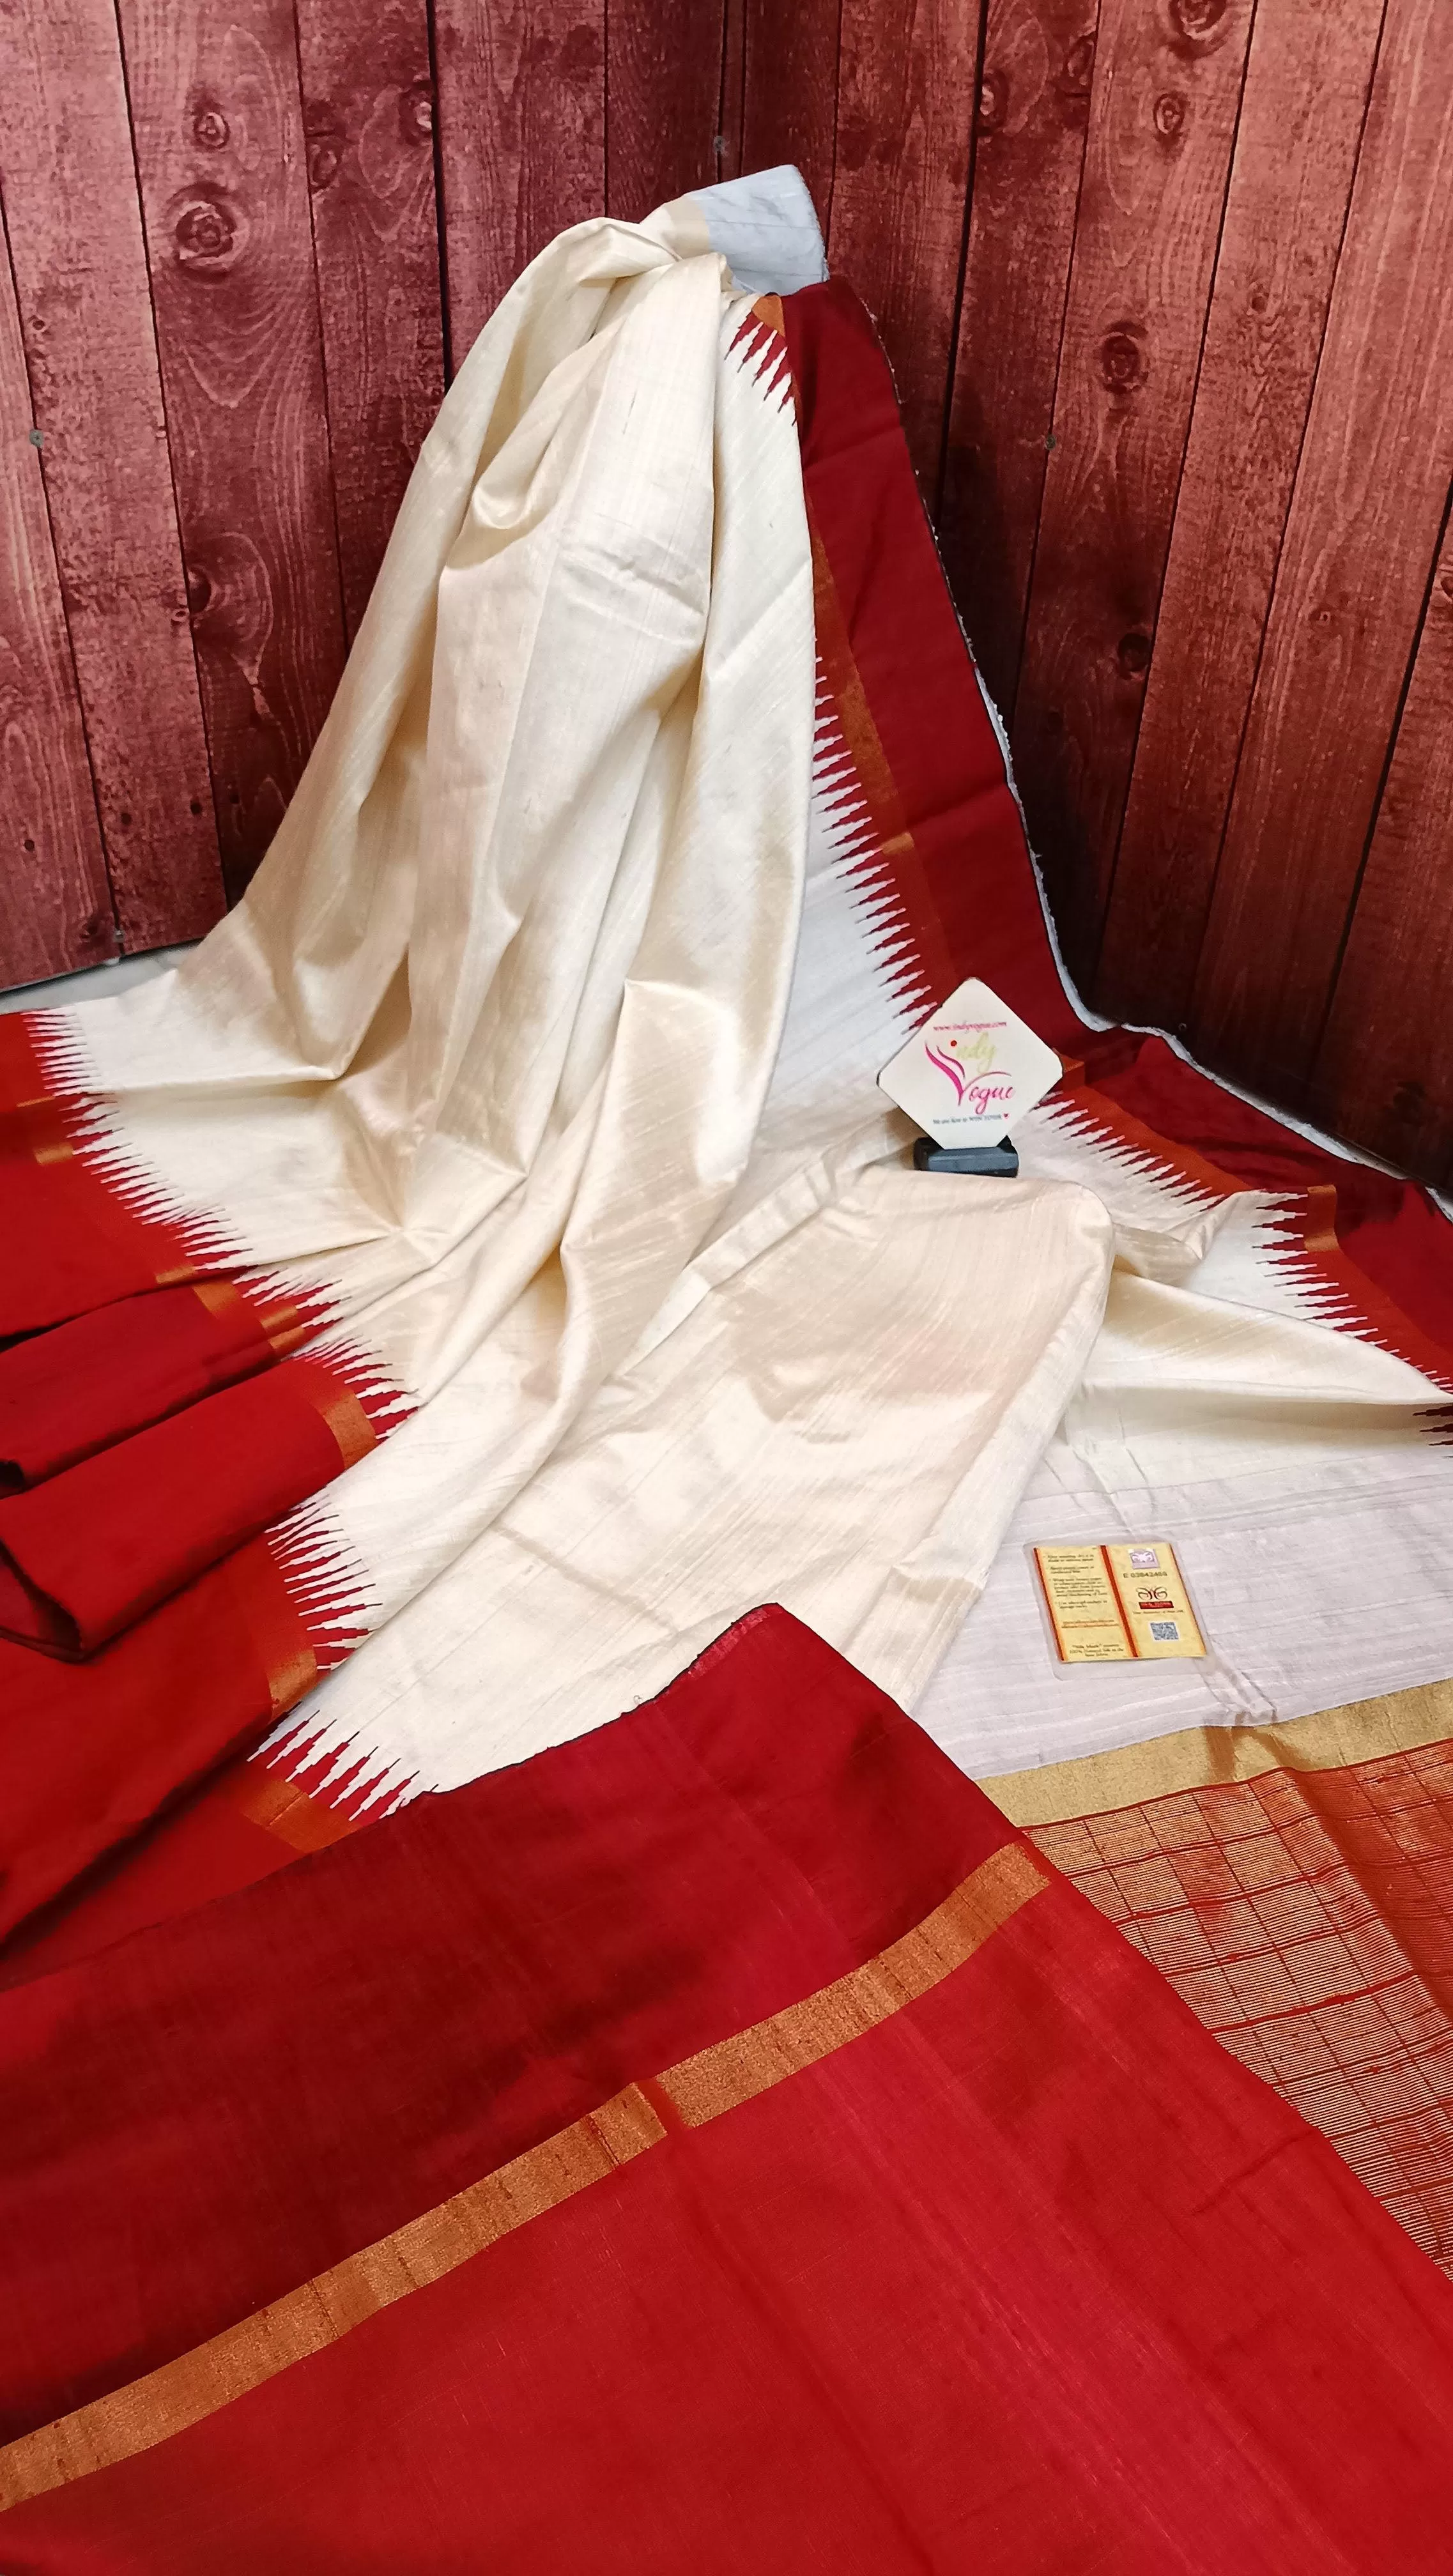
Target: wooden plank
(1034, 101)
(521, 139)
(218, 129)
(85, 306)
(790, 91)
(55, 911)
(732, 110)
(368, 112)
(663, 82)
(1307, 81)
(1163, 104)
(900, 189)
(1359, 546)
(1384, 1074)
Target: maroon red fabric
(204, 1843)
(89, 1552)
(67, 1393)
(91, 1753)
(967, 886)
(214, 2110)
(1392, 1230)
(1032, 2276)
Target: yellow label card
(1154, 1598)
(1117, 1604)
(1084, 1607)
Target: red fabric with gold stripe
(1028, 2274)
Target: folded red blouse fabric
(67, 1393)
(89, 1552)
(719, 2142)
(91, 1752)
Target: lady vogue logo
(980, 1085)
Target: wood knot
(210, 129)
(1170, 114)
(1072, 84)
(581, 54)
(416, 113)
(1197, 19)
(1122, 359)
(1133, 654)
(326, 139)
(993, 101)
(207, 235)
(854, 142)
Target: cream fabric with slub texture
(526, 930)
(842, 1423)
(484, 1050)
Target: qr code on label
(1165, 1632)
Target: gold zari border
(1208, 1757)
(717, 2079)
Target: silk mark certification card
(971, 1070)
(1117, 1604)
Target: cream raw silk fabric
(546, 1040)
(1306, 1488)
(839, 1405)
(482, 1053)
(485, 1053)
(512, 976)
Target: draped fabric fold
(578, 789)
(491, 1249)
(496, 1019)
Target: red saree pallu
(235, 1822)
(840, 2189)
(1294, 1885)
(306, 2065)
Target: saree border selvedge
(1294, 1884)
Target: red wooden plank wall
(1168, 290)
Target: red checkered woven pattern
(1307, 1918)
